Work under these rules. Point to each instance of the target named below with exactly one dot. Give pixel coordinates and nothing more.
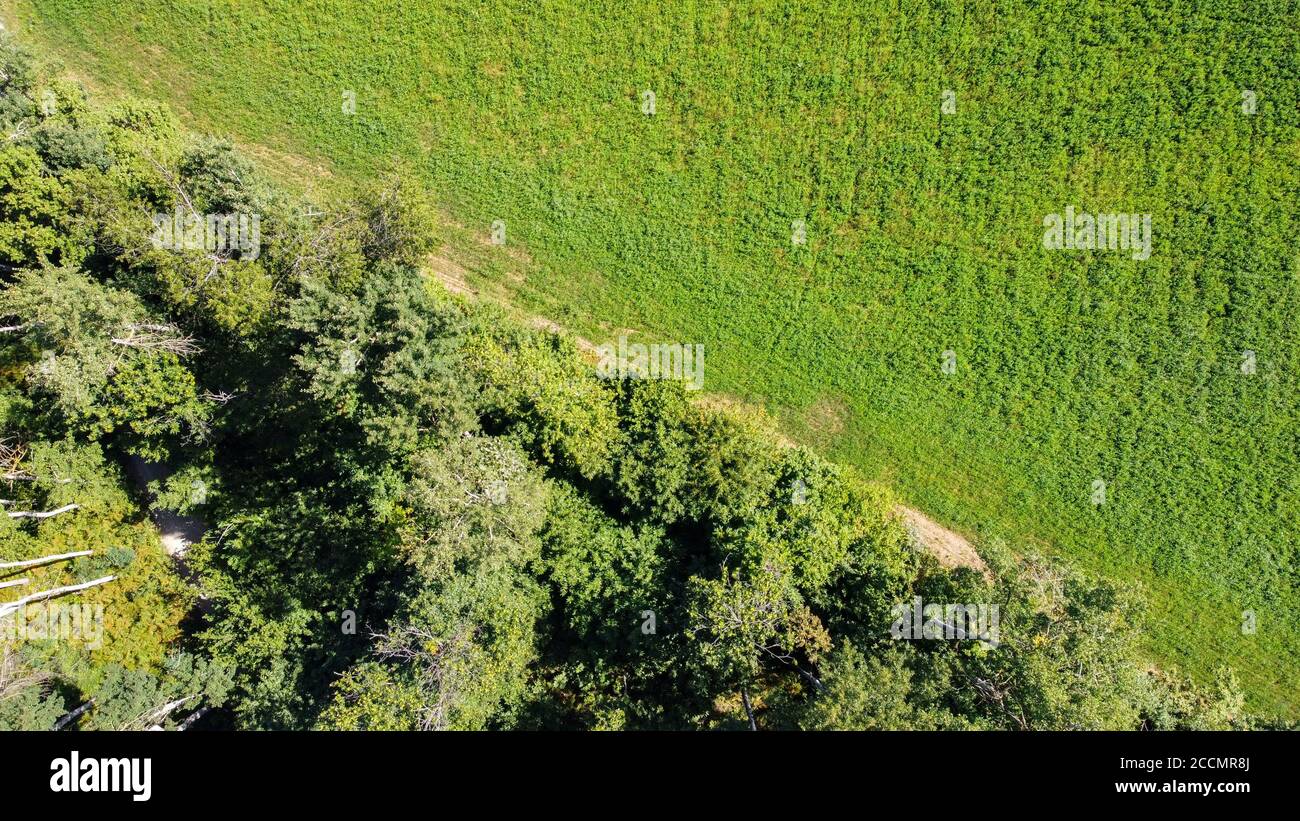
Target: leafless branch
(440, 679)
(157, 338)
(219, 397)
(14, 676)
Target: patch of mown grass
(924, 234)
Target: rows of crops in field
(1172, 380)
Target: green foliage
(61, 652)
(825, 522)
(463, 647)
(371, 696)
(143, 608)
(1178, 704)
(383, 361)
(474, 506)
(860, 692)
(271, 648)
(279, 582)
(31, 211)
(400, 220)
(1067, 654)
(144, 135)
(537, 391)
(24, 704)
(148, 399)
(220, 180)
(65, 147)
(187, 490)
(653, 462)
(746, 621)
(101, 363)
(462, 641)
(18, 72)
(733, 459)
(606, 574)
(134, 700)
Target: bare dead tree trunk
(40, 514)
(150, 720)
(8, 608)
(749, 711)
(23, 476)
(45, 560)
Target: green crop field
(1140, 416)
